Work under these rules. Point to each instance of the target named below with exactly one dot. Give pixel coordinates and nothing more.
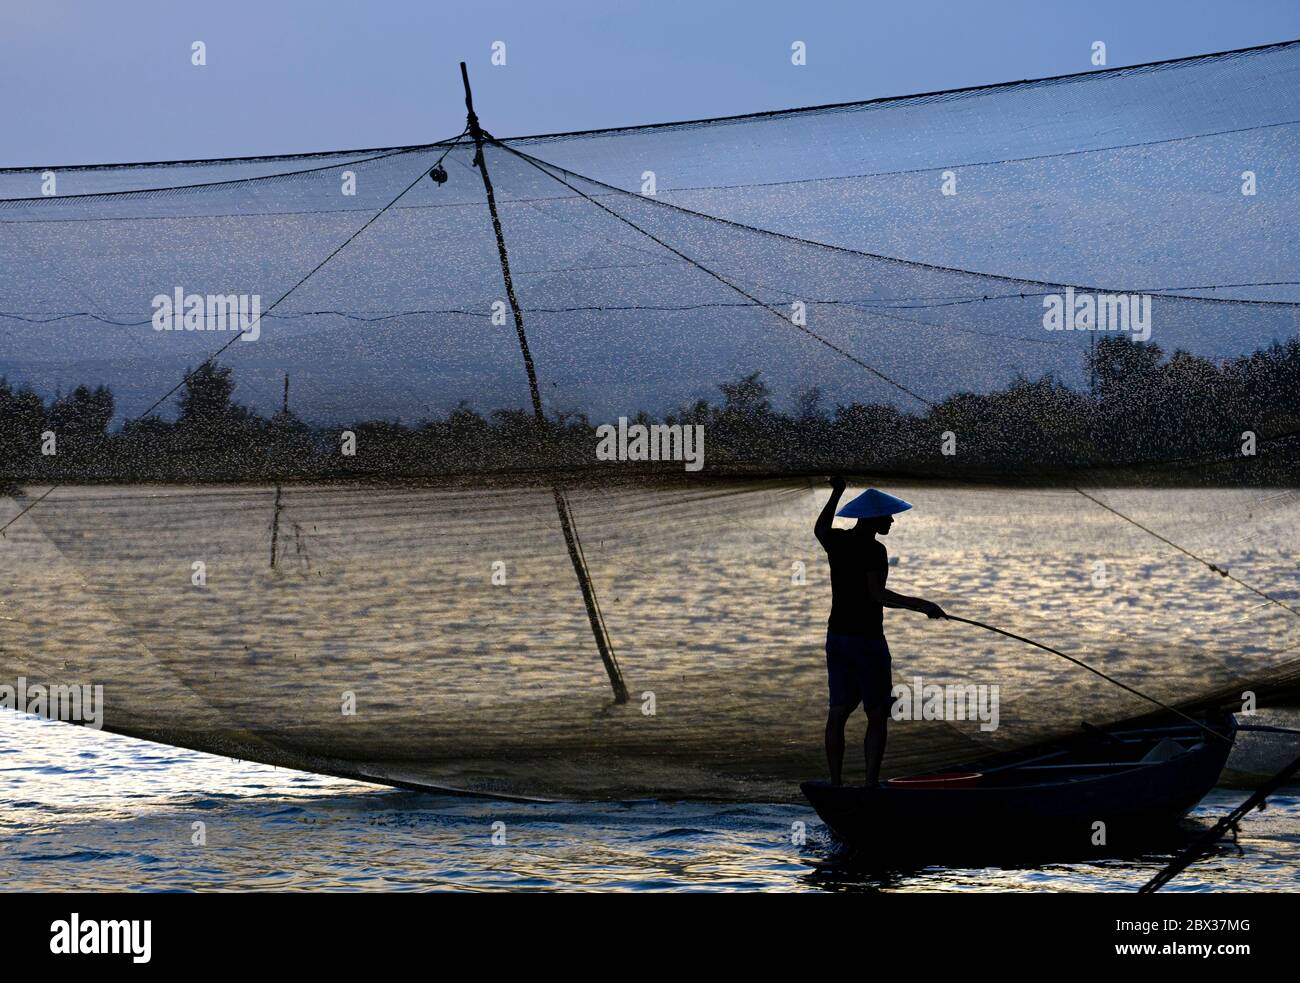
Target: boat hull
(1073, 806)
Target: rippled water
(81, 810)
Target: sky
(92, 82)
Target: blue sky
(87, 81)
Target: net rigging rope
(978, 163)
(209, 185)
(1221, 571)
(915, 97)
(164, 189)
(886, 101)
(866, 305)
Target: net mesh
(802, 285)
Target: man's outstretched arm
(892, 599)
(827, 518)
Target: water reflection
(84, 811)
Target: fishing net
(367, 557)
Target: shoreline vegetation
(1146, 418)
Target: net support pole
(279, 490)
(561, 503)
(275, 523)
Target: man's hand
(932, 610)
(837, 484)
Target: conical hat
(871, 504)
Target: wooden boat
(1043, 803)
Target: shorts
(859, 670)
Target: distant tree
(22, 420)
(872, 435)
(1119, 362)
(83, 412)
(809, 406)
(205, 399)
(748, 397)
(463, 421)
(1268, 386)
(1126, 398)
(1195, 403)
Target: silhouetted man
(857, 656)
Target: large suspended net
(341, 535)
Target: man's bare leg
(874, 745)
(836, 717)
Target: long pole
(1096, 672)
(561, 504)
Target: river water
(89, 811)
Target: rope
(887, 100)
(867, 305)
(236, 336)
(1094, 671)
(207, 185)
(982, 163)
(1221, 571)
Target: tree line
(1179, 417)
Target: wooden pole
(275, 518)
(561, 503)
(275, 524)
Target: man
(857, 655)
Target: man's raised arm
(827, 518)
